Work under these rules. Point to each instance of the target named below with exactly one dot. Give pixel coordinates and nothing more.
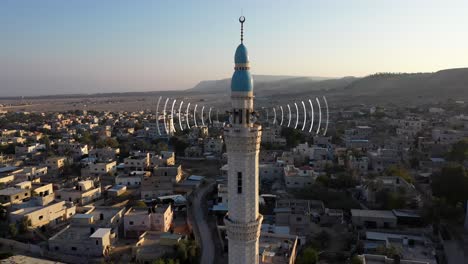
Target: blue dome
(241, 55)
(241, 81)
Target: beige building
(277, 248)
(38, 216)
(137, 163)
(102, 168)
(161, 183)
(299, 177)
(13, 195)
(81, 241)
(373, 218)
(139, 220)
(166, 158)
(55, 163)
(82, 194)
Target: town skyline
(86, 47)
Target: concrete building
(299, 177)
(278, 248)
(50, 214)
(139, 220)
(166, 158)
(161, 182)
(11, 195)
(243, 136)
(102, 168)
(373, 218)
(82, 194)
(132, 179)
(137, 163)
(82, 241)
(55, 163)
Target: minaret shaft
(242, 137)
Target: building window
(130, 223)
(40, 217)
(73, 248)
(239, 182)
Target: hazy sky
(89, 46)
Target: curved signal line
(209, 115)
(289, 115)
(312, 114)
(274, 117)
(186, 115)
(281, 107)
(320, 115)
(195, 115)
(326, 124)
(180, 117)
(202, 118)
(172, 116)
(164, 113)
(217, 115)
(305, 116)
(157, 115)
(297, 115)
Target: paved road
(202, 230)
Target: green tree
(356, 260)
(12, 230)
(451, 184)
(309, 256)
(459, 151)
(396, 170)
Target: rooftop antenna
(242, 20)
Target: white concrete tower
(242, 136)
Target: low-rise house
(153, 245)
(82, 194)
(392, 184)
(55, 163)
(104, 154)
(299, 177)
(213, 145)
(82, 241)
(373, 218)
(277, 248)
(11, 195)
(166, 158)
(297, 214)
(412, 248)
(137, 163)
(42, 215)
(161, 182)
(132, 179)
(139, 220)
(101, 168)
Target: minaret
(242, 136)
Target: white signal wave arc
(320, 115)
(326, 124)
(289, 111)
(195, 115)
(157, 115)
(312, 115)
(172, 116)
(282, 114)
(297, 116)
(180, 116)
(305, 116)
(209, 115)
(164, 113)
(202, 118)
(187, 116)
(274, 117)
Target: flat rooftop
(373, 213)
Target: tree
(356, 260)
(400, 171)
(459, 151)
(308, 256)
(12, 230)
(451, 184)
